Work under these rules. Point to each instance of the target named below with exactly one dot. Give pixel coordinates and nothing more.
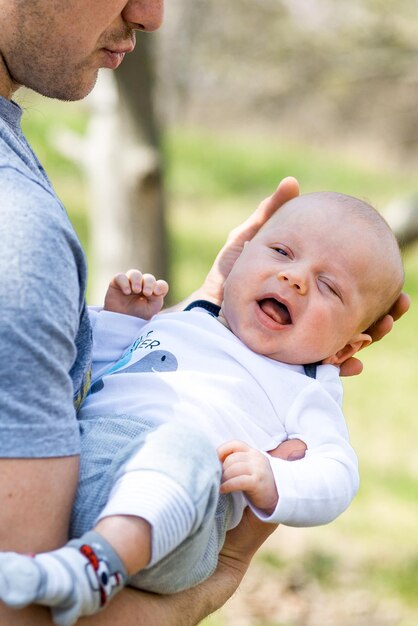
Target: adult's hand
(240, 546)
(212, 288)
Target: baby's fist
(247, 469)
(137, 294)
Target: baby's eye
(281, 251)
(330, 287)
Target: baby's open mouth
(276, 310)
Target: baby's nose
(294, 279)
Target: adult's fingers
(288, 188)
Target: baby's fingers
(148, 284)
(238, 467)
(161, 288)
(242, 482)
(135, 278)
(230, 447)
(122, 282)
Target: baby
(186, 413)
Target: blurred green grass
(214, 182)
(43, 122)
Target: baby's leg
(130, 536)
(167, 486)
(171, 482)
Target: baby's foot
(76, 580)
(20, 579)
(47, 580)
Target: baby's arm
(136, 294)
(315, 489)
(319, 487)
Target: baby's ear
(357, 343)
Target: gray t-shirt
(45, 343)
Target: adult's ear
(362, 340)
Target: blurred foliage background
(246, 93)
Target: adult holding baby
(57, 48)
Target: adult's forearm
(129, 608)
(188, 608)
(36, 496)
(136, 608)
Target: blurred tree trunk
(125, 174)
(402, 216)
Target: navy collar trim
(214, 309)
(211, 308)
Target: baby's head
(320, 272)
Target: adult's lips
(121, 44)
(276, 310)
(122, 48)
(112, 59)
(115, 53)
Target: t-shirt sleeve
(40, 312)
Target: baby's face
(301, 288)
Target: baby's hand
(247, 469)
(137, 294)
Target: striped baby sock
(78, 579)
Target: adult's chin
(75, 87)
